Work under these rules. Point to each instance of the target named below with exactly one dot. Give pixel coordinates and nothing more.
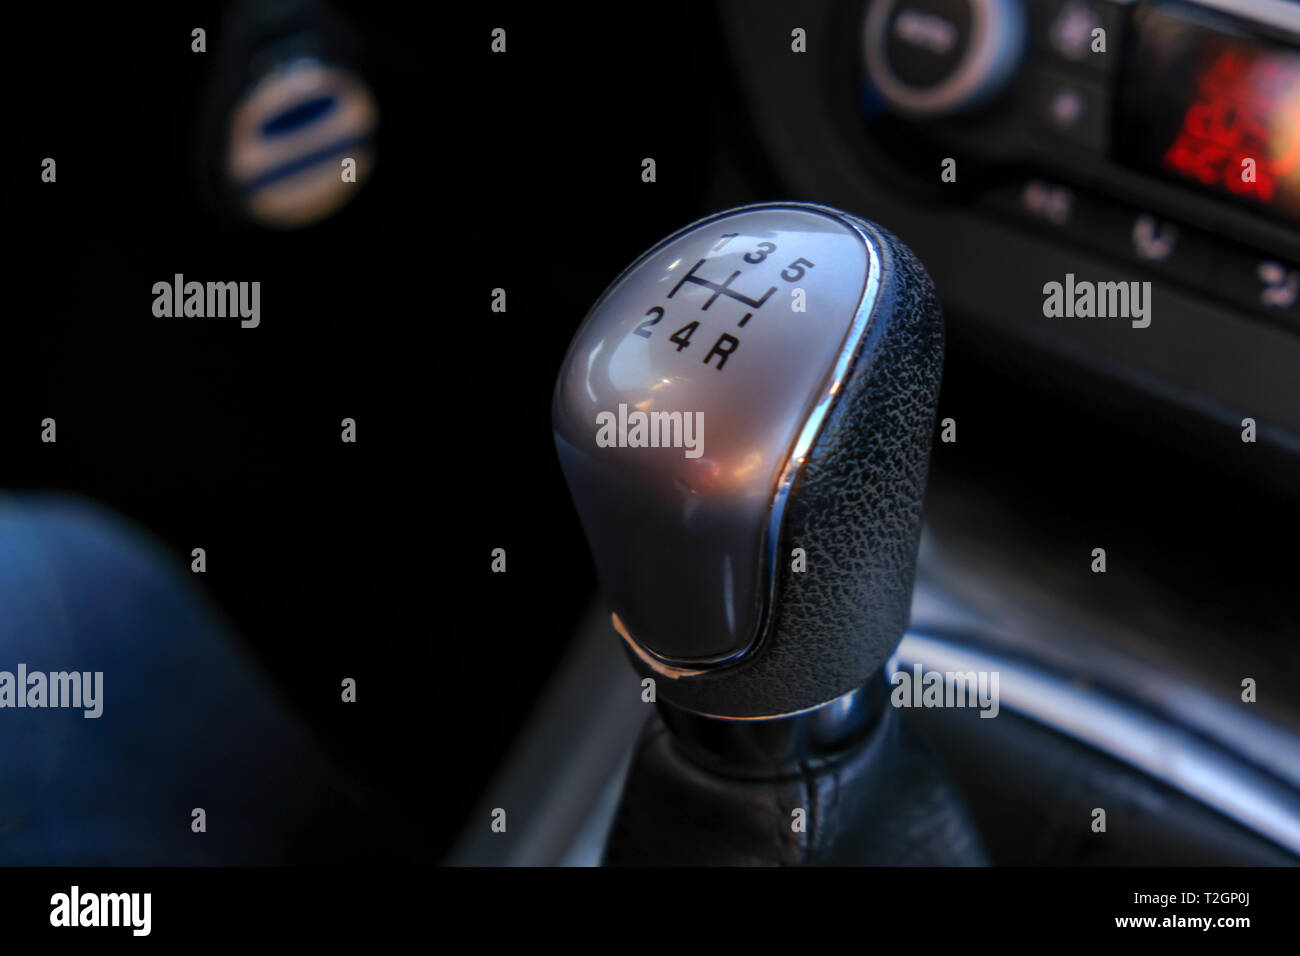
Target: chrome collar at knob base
(783, 744)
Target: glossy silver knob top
(686, 403)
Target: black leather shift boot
(883, 802)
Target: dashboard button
(1260, 282)
(1154, 240)
(1064, 30)
(1041, 201)
(1162, 245)
(1071, 109)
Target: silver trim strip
(1283, 14)
(1181, 759)
(817, 417)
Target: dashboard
(1115, 185)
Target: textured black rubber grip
(855, 508)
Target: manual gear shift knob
(761, 381)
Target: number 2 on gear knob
(744, 419)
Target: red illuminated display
(1246, 107)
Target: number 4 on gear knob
(744, 419)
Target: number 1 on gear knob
(744, 420)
